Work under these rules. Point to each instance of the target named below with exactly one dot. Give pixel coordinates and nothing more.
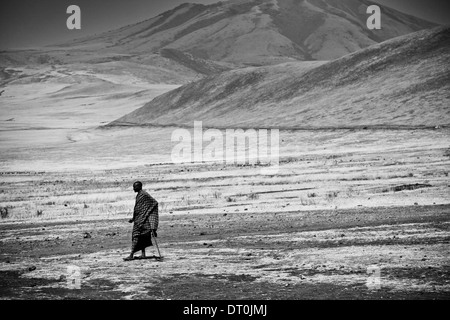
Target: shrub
(230, 199)
(253, 196)
(332, 194)
(4, 212)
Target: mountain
(193, 40)
(400, 82)
(258, 32)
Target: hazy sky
(27, 23)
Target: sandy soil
(290, 255)
(341, 202)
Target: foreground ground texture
(341, 202)
(290, 255)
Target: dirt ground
(342, 203)
(289, 255)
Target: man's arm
(134, 213)
(132, 219)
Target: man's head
(137, 186)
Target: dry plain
(341, 201)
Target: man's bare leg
(131, 256)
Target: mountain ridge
(260, 32)
(400, 82)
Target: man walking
(145, 218)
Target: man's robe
(145, 219)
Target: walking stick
(156, 242)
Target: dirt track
(289, 255)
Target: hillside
(401, 82)
(193, 40)
(258, 32)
